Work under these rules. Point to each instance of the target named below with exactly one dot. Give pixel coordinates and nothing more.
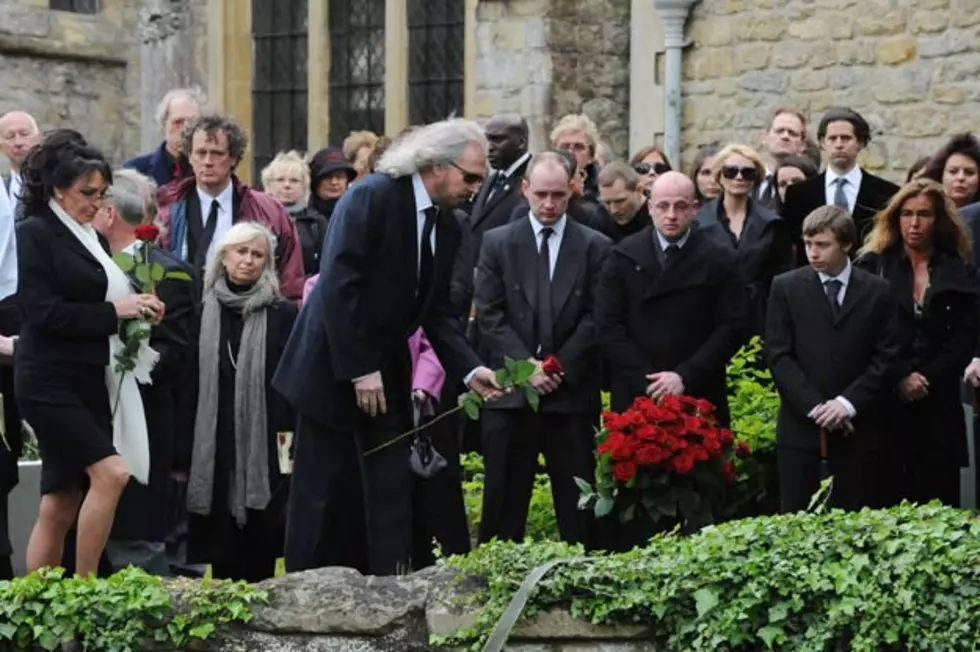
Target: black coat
(487, 213)
(212, 539)
(805, 197)
(938, 344)
(138, 513)
(815, 358)
(764, 250)
(688, 318)
(506, 303)
(618, 232)
(312, 227)
(358, 318)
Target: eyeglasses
(647, 168)
(469, 178)
(733, 171)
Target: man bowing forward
(385, 272)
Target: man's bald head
(672, 204)
(507, 134)
(18, 133)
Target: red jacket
(255, 206)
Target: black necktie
(766, 195)
(496, 184)
(545, 321)
(833, 287)
(670, 254)
(425, 255)
(208, 234)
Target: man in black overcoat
(536, 285)
(346, 369)
(842, 134)
(672, 306)
(830, 342)
(139, 530)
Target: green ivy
(119, 614)
(907, 578)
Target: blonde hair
(736, 149)
(950, 233)
(576, 122)
(293, 160)
(356, 141)
(239, 234)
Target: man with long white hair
(385, 269)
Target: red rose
(700, 453)
(693, 424)
(672, 403)
(647, 432)
(620, 447)
(641, 403)
(147, 233)
(712, 444)
(635, 419)
(651, 455)
(742, 449)
(614, 421)
(728, 470)
(624, 471)
(683, 463)
(552, 366)
(727, 438)
(704, 407)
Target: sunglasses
(647, 168)
(469, 178)
(732, 171)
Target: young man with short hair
(830, 342)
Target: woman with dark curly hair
(957, 167)
(921, 245)
(72, 298)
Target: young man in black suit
(672, 307)
(347, 370)
(830, 342)
(842, 134)
(536, 286)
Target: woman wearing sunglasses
(650, 163)
(758, 235)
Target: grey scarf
(250, 482)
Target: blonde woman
(737, 220)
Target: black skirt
(68, 408)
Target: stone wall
(74, 70)
(547, 58)
(911, 67)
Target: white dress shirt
(225, 216)
(845, 279)
(850, 188)
(664, 242)
(8, 247)
(422, 203)
(554, 241)
(764, 184)
(507, 174)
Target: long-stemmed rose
(516, 375)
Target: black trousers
(438, 510)
(512, 440)
(348, 509)
(857, 477)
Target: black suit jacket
(971, 215)
(688, 318)
(61, 291)
(764, 250)
(165, 404)
(805, 197)
(506, 300)
(358, 318)
(487, 213)
(815, 357)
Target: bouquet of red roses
(669, 459)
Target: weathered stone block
(767, 81)
(964, 13)
(809, 80)
(753, 56)
(903, 85)
(761, 27)
(896, 50)
(858, 52)
(928, 22)
(916, 122)
(881, 18)
(948, 94)
(790, 54)
(714, 64)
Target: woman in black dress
(72, 297)
(922, 246)
(236, 494)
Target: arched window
(435, 69)
(357, 67)
(279, 83)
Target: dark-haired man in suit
(842, 134)
(536, 286)
(830, 342)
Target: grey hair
(434, 144)
(211, 124)
(239, 234)
(163, 108)
(133, 195)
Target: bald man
(672, 307)
(18, 133)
